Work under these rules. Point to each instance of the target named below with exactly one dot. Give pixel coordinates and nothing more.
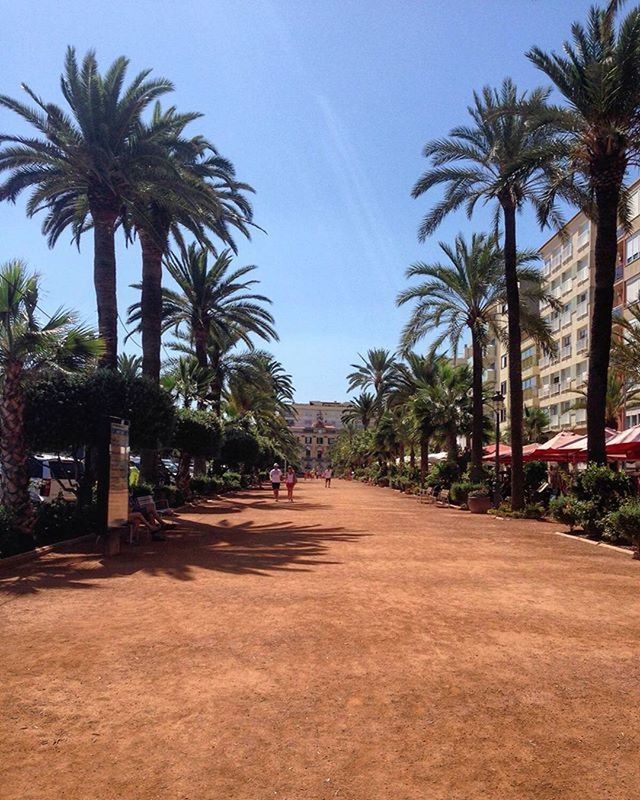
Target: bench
(426, 495)
(443, 498)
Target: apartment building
(551, 382)
(316, 425)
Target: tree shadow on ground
(241, 548)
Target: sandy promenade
(355, 645)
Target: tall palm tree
(361, 409)
(503, 156)
(191, 188)
(27, 348)
(85, 162)
(377, 371)
(212, 300)
(599, 77)
(465, 295)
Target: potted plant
(479, 501)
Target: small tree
(196, 433)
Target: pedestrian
(275, 476)
(290, 481)
(327, 477)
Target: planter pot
(479, 505)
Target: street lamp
(498, 405)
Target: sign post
(113, 482)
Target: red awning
(490, 453)
(577, 449)
(625, 443)
(552, 450)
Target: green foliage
(197, 432)
(61, 520)
(530, 511)
(460, 490)
(602, 490)
(64, 411)
(240, 446)
(12, 541)
(142, 490)
(443, 474)
(622, 526)
(206, 486)
(232, 481)
(569, 510)
(535, 474)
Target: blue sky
(323, 107)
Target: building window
(583, 235)
(634, 204)
(528, 383)
(503, 415)
(632, 248)
(503, 388)
(528, 353)
(307, 453)
(503, 362)
(308, 439)
(319, 440)
(633, 290)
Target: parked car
(52, 477)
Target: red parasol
(552, 450)
(625, 443)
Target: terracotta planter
(479, 505)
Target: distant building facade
(316, 425)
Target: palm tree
(625, 351)
(620, 391)
(599, 77)
(191, 187)
(376, 371)
(85, 162)
(423, 412)
(504, 157)
(213, 300)
(27, 348)
(536, 423)
(361, 409)
(187, 381)
(466, 294)
(130, 366)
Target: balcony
(555, 388)
(544, 390)
(582, 345)
(556, 292)
(544, 362)
(566, 352)
(583, 239)
(555, 324)
(565, 319)
(582, 309)
(489, 376)
(581, 415)
(566, 286)
(582, 275)
(553, 421)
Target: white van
(52, 477)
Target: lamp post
(498, 405)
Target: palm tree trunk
(424, 458)
(104, 281)
(515, 356)
(182, 475)
(151, 325)
(151, 304)
(412, 456)
(13, 452)
(478, 409)
(452, 445)
(606, 249)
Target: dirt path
(354, 645)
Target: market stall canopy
(490, 453)
(577, 449)
(625, 443)
(551, 450)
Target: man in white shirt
(327, 477)
(275, 476)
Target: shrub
(61, 520)
(231, 481)
(459, 491)
(443, 475)
(142, 490)
(12, 541)
(568, 510)
(535, 474)
(206, 486)
(197, 433)
(623, 525)
(174, 496)
(601, 490)
(240, 446)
